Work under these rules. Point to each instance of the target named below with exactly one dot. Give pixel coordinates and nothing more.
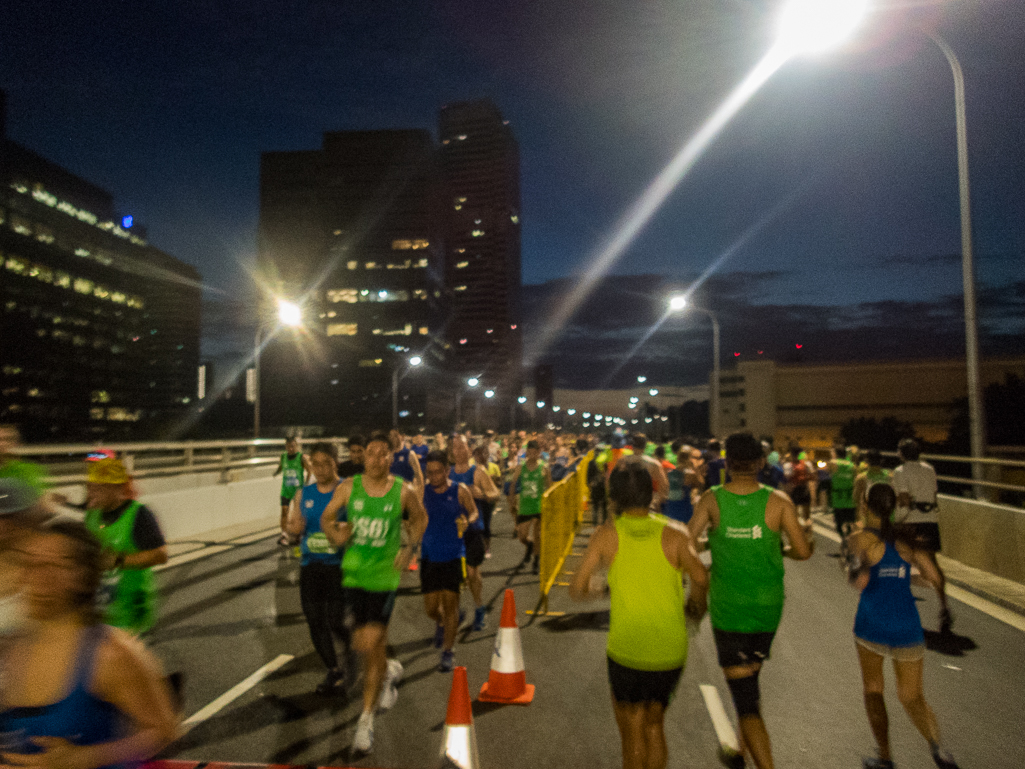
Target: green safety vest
(127, 596)
(746, 582)
(369, 561)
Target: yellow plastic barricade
(562, 512)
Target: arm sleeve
(146, 533)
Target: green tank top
(647, 629)
(376, 537)
(746, 582)
(841, 495)
(532, 488)
(127, 596)
(291, 474)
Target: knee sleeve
(746, 695)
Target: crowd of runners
(81, 591)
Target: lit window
(83, 286)
(461, 137)
(337, 233)
(21, 225)
(460, 250)
(461, 199)
(477, 233)
(342, 295)
(403, 244)
(371, 265)
(461, 265)
(420, 293)
(100, 292)
(62, 279)
(16, 265)
(117, 297)
(515, 219)
(458, 207)
(400, 265)
(81, 252)
(97, 413)
(341, 329)
(331, 314)
(100, 396)
(352, 265)
(463, 341)
(460, 288)
(424, 331)
(421, 263)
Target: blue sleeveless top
(315, 546)
(441, 541)
(677, 504)
(421, 453)
(400, 466)
(81, 717)
(886, 612)
(467, 479)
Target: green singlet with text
(532, 488)
(127, 596)
(647, 630)
(291, 474)
(369, 561)
(746, 583)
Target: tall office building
(480, 163)
(99, 331)
(352, 230)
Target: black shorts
(741, 648)
(922, 536)
(369, 606)
(800, 495)
(634, 686)
(441, 575)
(474, 540)
(842, 515)
(524, 518)
(286, 501)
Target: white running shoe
(364, 739)
(389, 692)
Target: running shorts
(474, 541)
(736, 649)
(923, 536)
(896, 653)
(524, 518)
(441, 575)
(632, 685)
(800, 495)
(369, 606)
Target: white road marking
(234, 693)
(204, 551)
(720, 721)
(996, 611)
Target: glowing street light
(815, 26)
(540, 404)
(473, 381)
(289, 313)
(556, 408)
(653, 391)
(642, 379)
(416, 360)
(489, 393)
(678, 303)
(522, 399)
(571, 412)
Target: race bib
(319, 543)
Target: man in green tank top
(133, 542)
(745, 520)
(841, 490)
(874, 473)
(376, 507)
(529, 484)
(293, 468)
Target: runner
(638, 443)
(915, 484)
(647, 642)
(13, 466)
(320, 584)
(716, 473)
(405, 463)
(293, 468)
(354, 464)
(75, 692)
(682, 480)
(376, 502)
(485, 494)
(798, 473)
(746, 591)
(873, 473)
(421, 449)
(528, 485)
(132, 543)
(841, 492)
(888, 625)
(450, 509)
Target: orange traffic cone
(507, 682)
(459, 748)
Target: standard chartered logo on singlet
(744, 532)
(291, 478)
(530, 487)
(890, 571)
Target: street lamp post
(416, 360)
(678, 303)
(471, 382)
(289, 314)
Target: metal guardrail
(66, 462)
(989, 464)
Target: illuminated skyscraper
(99, 331)
(480, 163)
(352, 231)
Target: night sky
(841, 170)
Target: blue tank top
(81, 717)
(441, 541)
(400, 466)
(886, 612)
(421, 453)
(467, 478)
(315, 546)
(678, 505)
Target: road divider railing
(562, 513)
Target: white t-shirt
(918, 480)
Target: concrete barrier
(984, 535)
(193, 504)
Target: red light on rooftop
(798, 346)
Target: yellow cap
(108, 470)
